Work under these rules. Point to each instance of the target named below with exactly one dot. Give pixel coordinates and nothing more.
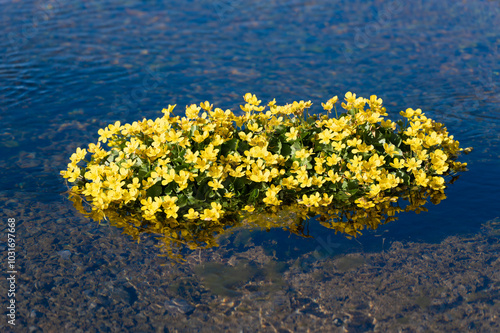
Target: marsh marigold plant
(202, 170)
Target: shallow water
(70, 68)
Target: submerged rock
(179, 305)
(65, 254)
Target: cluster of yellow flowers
(202, 168)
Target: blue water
(70, 68)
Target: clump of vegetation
(183, 175)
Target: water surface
(70, 68)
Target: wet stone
(126, 295)
(35, 314)
(65, 254)
(179, 305)
(338, 322)
(88, 293)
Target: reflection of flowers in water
(349, 220)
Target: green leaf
(286, 150)
(240, 183)
(155, 191)
(381, 141)
(352, 185)
(203, 189)
(242, 146)
(253, 195)
(230, 146)
(112, 155)
(281, 129)
(296, 146)
(312, 119)
(143, 171)
(182, 201)
(275, 145)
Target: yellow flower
(338, 146)
(390, 149)
(78, 156)
(72, 173)
(237, 173)
(408, 114)
(442, 168)
(421, 178)
(374, 190)
(104, 134)
(192, 214)
(174, 136)
(206, 106)
(209, 153)
(124, 172)
(303, 153)
(182, 178)
(327, 106)
(317, 181)
(432, 140)
(199, 137)
(217, 140)
(151, 207)
(258, 175)
(333, 100)
(169, 201)
(350, 98)
(362, 148)
(135, 185)
(191, 157)
(326, 200)
(333, 160)
(319, 168)
(363, 203)
(354, 142)
(438, 157)
(398, 163)
(171, 211)
(251, 99)
(245, 137)
(333, 177)
(215, 184)
(326, 136)
(201, 164)
(212, 214)
(289, 182)
(356, 160)
(147, 183)
(215, 171)
(167, 175)
(388, 124)
(168, 110)
(249, 208)
(412, 164)
(254, 127)
(388, 181)
(115, 128)
(292, 135)
(312, 200)
(437, 183)
(271, 193)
